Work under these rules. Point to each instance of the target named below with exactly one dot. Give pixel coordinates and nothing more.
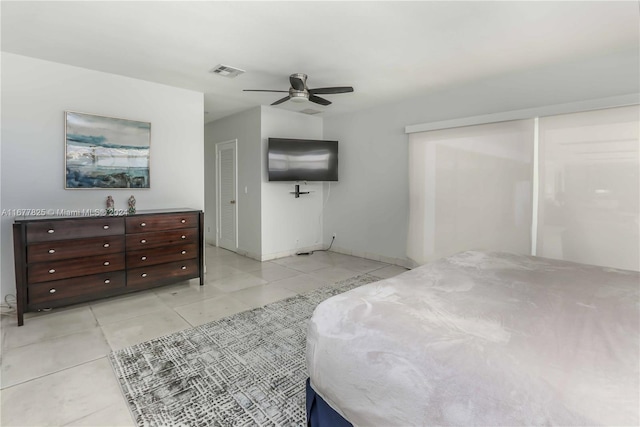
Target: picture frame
(106, 152)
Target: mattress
(482, 339)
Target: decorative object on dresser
(106, 152)
(110, 206)
(65, 260)
(132, 204)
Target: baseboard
(249, 254)
(402, 262)
(284, 254)
(242, 252)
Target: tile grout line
(106, 356)
(47, 339)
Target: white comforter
(482, 339)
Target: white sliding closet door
(589, 187)
(470, 188)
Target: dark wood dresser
(66, 260)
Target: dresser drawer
(146, 223)
(161, 255)
(146, 277)
(160, 238)
(63, 249)
(42, 294)
(55, 270)
(47, 231)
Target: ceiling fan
(299, 92)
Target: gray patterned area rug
(244, 370)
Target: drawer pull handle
(52, 271)
(143, 241)
(106, 263)
(107, 281)
(184, 267)
(52, 251)
(143, 224)
(106, 245)
(183, 221)
(183, 237)
(144, 258)
(52, 290)
(106, 227)
(51, 231)
(183, 252)
(144, 274)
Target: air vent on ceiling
(226, 71)
(310, 111)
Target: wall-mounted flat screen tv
(302, 160)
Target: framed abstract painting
(106, 152)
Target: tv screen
(302, 160)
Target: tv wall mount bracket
(298, 192)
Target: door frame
(235, 190)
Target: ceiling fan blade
(281, 100)
(330, 90)
(319, 100)
(296, 82)
(263, 90)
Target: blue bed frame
(320, 414)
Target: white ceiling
(386, 50)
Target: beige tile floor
(54, 369)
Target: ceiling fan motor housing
(298, 81)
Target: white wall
(368, 208)
(271, 222)
(36, 93)
(245, 127)
(209, 189)
(289, 224)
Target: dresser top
(62, 214)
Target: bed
(481, 338)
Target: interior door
(227, 206)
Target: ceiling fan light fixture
(298, 97)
